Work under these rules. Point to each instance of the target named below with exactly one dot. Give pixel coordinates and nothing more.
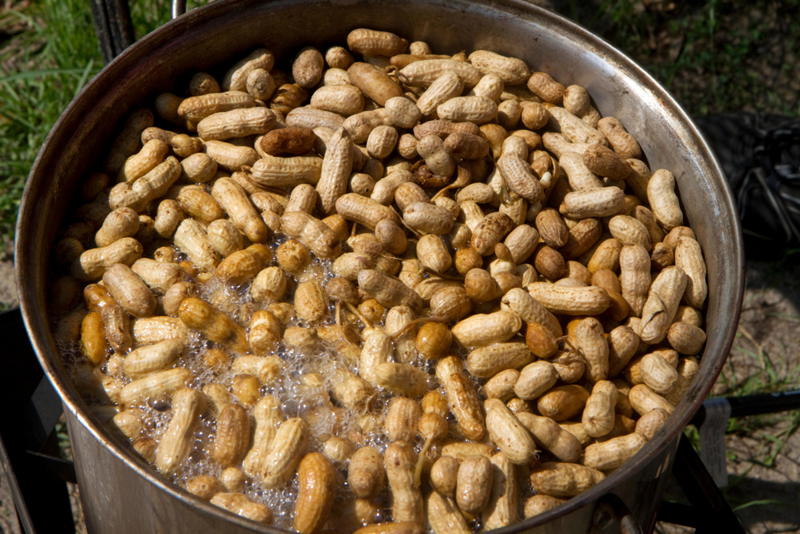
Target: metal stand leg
(28, 449)
(709, 511)
(112, 23)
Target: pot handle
(178, 8)
(612, 515)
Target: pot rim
(38, 330)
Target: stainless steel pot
(120, 494)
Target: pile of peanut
(410, 292)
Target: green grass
(709, 54)
(41, 70)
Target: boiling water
(296, 398)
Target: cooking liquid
(297, 400)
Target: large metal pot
(121, 494)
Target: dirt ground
(764, 451)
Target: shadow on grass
(773, 504)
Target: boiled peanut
(176, 444)
(399, 460)
(564, 479)
(317, 478)
(462, 397)
(511, 437)
(444, 517)
(474, 484)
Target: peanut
(317, 479)
(236, 77)
(662, 304)
(474, 483)
(448, 85)
(512, 71)
(589, 300)
(401, 419)
(388, 291)
(535, 378)
(145, 360)
(214, 324)
(336, 167)
(550, 436)
(199, 205)
(234, 201)
(433, 340)
(129, 290)
(623, 143)
(564, 479)
(366, 475)
(176, 444)
(241, 505)
(511, 437)
(159, 276)
(191, 239)
(486, 362)
(127, 142)
(236, 123)
(313, 233)
(687, 370)
(375, 84)
(204, 486)
(267, 416)
(444, 474)
(689, 257)
(538, 504)
(461, 397)
(363, 210)
(598, 415)
(233, 435)
(271, 171)
(154, 329)
(399, 461)
(643, 399)
(285, 452)
(444, 517)
(92, 336)
(122, 222)
(663, 200)
(613, 453)
(562, 402)
(485, 329)
(425, 72)
(651, 422)
(92, 263)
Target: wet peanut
(562, 402)
(214, 324)
(317, 479)
(399, 461)
(462, 397)
(285, 453)
(510, 435)
(176, 444)
(564, 479)
(611, 454)
(474, 484)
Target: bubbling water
(297, 398)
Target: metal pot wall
(121, 494)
